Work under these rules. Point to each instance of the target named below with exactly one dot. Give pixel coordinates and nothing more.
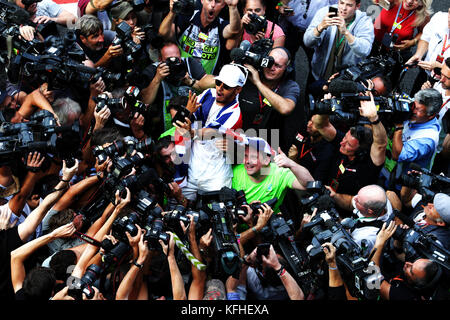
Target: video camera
(256, 24)
(425, 182)
(256, 54)
(392, 109)
(40, 133)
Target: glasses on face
(226, 87)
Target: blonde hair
(423, 12)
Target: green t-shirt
(170, 132)
(274, 185)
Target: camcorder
(256, 54)
(256, 24)
(41, 134)
(184, 7)
(357, 271)
(425, 182)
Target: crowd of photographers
(167, 150)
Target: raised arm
(303, 176)
(178, 291)
(30, 224)
(167, 27)
(234, 27)
(22, 253)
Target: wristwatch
(140, 266)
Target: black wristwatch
(140, 266)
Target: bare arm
(97, 6)
(234, 27)
(178, 291)
(167, 27)
(303, 176)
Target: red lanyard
(443, 105)
(304, 154)
(445, 47)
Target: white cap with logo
(232, 75)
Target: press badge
(203, 36)
(267, 102)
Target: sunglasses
(226, 87)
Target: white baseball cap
(232, 75)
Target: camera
(177, 69)
(114, 104)
(154, 227)
(184, 7)
(138, 5)
(425, 182)
(241, 200)
(256, 54)
(256, 24)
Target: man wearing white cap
(208, 168)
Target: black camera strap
(88, 239)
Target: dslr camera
(256, 54)
(256, 24)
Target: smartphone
(262, 249)
(333, 10)
(385, 4)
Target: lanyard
(302, 155)
(443, 105)
(396, 24)
(343, 37)
(445, 47)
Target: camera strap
(195, 262)
(88, 239)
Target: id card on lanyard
(440, 57)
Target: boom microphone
(339, 86)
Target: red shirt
(385, 21)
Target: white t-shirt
(434, 33)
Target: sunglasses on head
(226, 87)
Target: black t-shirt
(9, 241)
(316, 157)
(257, 113)
(400, 291)
(348, 177)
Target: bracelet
(317, 28)
(280, 272)
(332, 268)
(140, 266)
(92, 4)
(65, 180)
(375, 122)
(254, 230)
(398, 128)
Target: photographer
(361, 154)
(269, 97)
(13, 235)
(172, 76)
(268, 278)
(434, 218)
(416, 140)
(211, 35)
(349, 34)
(91, 39)
(270, 30)
(415, 278)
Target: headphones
(289, 67)
(432, 282)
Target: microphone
(339, 86)
(237, 54)
(245, 45)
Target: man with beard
(204, 36)
(313, 152)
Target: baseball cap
(232, 75)
(441, 203)
(121, 9)
(215, 290)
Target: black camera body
(177, 69)
(257, 24)
(256, 54)
(184, 7)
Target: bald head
(373, 198)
